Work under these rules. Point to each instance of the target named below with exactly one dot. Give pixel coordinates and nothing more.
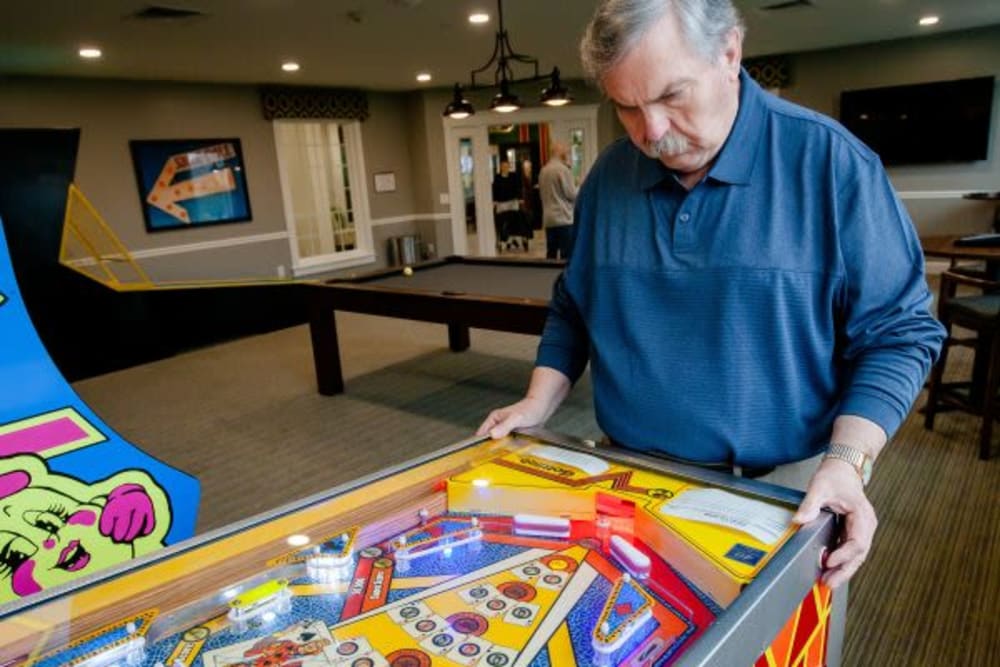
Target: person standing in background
(507, 208)
(558, 191)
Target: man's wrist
(856, 457)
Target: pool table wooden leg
(326, 351)
(458, 337)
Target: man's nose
(656, 123)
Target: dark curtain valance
(769, 71)
(301, 102)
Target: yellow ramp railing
(89, 246)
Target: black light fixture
(556, 95)
(503, 77)
(505, 101)
(459, 107)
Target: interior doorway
(473, 149)
(522, 146)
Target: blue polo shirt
(735, 321)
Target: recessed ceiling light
(479, 17)
(290, 66)
(90, 52)
(929, 20)
(423, 77)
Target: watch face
(866, 470)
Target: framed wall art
(187, 183)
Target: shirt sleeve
(567, 186)
(890, 338)
(565, 345)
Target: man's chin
(681, 162)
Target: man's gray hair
(618, 25)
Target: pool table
(503, 294)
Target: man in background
(558, 191)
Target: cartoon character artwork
(75, 496)
(55, 528)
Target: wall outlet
(281, 270)
(444, 198)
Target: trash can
(404, 250)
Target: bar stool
(979, 313)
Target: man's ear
(732, 52)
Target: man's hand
(836, 486)
(526, 412)
(547, 389)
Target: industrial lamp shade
(556, 95)
(505, 101)
(459, 107)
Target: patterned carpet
(244, 417)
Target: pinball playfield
(531, 550)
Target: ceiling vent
(161, 13)
(786, 4)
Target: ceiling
(382, 44)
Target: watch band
(860, 461)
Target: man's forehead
(645, 77)
(633, 88)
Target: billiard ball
(408, 271)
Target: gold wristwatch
(857, 458)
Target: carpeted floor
(245, 419)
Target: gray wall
(820, 76)
(386, 138)
(110, 113)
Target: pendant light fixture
(505, 101)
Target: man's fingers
(845, 560)
(488, 423)
(505, 425)
(835, 577)
(496, 420)
(849, 551)
(809, 509)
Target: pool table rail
(457, 309)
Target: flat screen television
(944, 121)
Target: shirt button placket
(684, 229)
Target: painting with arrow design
(190, 182)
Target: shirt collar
(735, 161)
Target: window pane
(576, 153)
(466, 168)
(314, 158)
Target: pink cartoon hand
(128, 514)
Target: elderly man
(747, 288)
(558, 192)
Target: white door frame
(561, 121)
